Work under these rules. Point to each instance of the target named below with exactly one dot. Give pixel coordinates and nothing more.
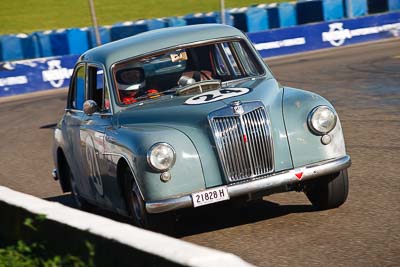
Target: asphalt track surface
(363, 83)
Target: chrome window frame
(106, 87)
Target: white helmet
(130, 79)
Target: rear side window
(231, 59)
(77, 95)
(248, 60)
(234, 60)
(219, 63)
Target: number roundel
(93, 165)
(216, 95)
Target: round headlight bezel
(311, 120)
(150, 158)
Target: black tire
(329, 192)
(81, 203)
(137, 209)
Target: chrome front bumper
(263, 183)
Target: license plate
(210, 196)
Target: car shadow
(211, 218)
(65, 199)
(68, 200)
(208, 219)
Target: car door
(102, 181)
(71, 124)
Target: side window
(247, 59)
(77, 95)
(231, 59)
(219, 63)
(97, 90)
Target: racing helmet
(130, 79)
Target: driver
(131, 84)
(130, 81)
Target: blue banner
(20, 77)
(326, 35)
(27, 76)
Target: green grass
(25, 16)
(23, 254)
(38, 254)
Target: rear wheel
(79, 201)
(330, 192)
(137, 208)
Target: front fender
(133, 142)
(306, 147)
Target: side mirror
(90, 107)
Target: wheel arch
(122, 165)
(125, 186)
(305, 146)
(63, 170)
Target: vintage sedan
(190, 116)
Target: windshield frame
(248, 47)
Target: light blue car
(191, 116)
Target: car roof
(155, 40)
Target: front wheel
(137, 208)
(329, 192)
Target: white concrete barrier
(115, 243)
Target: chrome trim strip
(269, 182)
(244, 123)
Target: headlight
(161, 157)
(322, 120)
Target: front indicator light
(326, 139)
(165, 177)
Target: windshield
(168, 72)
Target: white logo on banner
(13, 81)
(281, 43)
(56, 75)
(337, 35)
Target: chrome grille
(243, 140)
